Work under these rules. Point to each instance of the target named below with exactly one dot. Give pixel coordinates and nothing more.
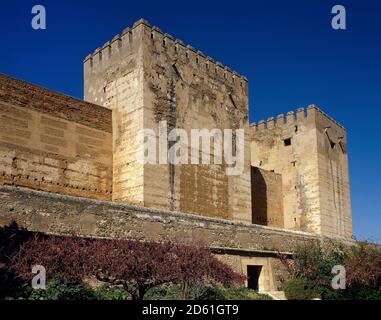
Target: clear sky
(287, 49)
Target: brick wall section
(52, 142)
(33, 97)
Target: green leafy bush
(301, 289)
(232, 293)
(175, 292)
(107, 292)
(57, 289)
(167, 291)
(351, 294)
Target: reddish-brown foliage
(137, 265)
(363, 268)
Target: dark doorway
(253, 273)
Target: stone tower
(309, 151)
(146, 77)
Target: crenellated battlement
(130, 39)
(292, 118)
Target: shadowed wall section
(266, 197)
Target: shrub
(57, 289)
(301, 289)
(107, 292)
(363, 266)
(167, 291)
(314, 262)
(174, 292)
(232, 293)
(211, 293)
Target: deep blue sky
(287, 49)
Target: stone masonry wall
(60, 214)
(52, 142)
(335, 199)
(113, 78)
(191, 91)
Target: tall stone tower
(146, 77)
(309, 151)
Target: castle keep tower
(146, 77)
(307, 152)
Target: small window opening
(151, 35)
(332, 145)
(287, 142)
(296, 129)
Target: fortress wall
(60, 214)
(239, 244)
(52, 142)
